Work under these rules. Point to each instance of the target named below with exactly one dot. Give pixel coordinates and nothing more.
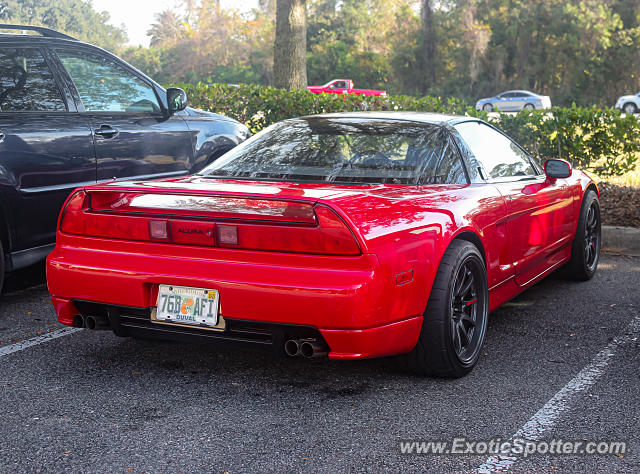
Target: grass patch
(631, 178)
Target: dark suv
(73, 114)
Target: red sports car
(344, 86)
(347, 235)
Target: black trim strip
(24, 258)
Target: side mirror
(176, 99)
(557, 169)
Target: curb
(624, 240)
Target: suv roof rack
(46, 32)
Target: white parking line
(19, 346)
(548, 415)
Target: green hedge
(598, 140)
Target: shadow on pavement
(25, 278)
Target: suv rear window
(26, 82)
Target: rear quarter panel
(409, 231)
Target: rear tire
(487, 107)
(529, 107)
(630, 108)
(585, 251)
(455, 321)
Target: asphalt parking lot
(93, 402)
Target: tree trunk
(428, 46)
(290, 51)
(477, 39)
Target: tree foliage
(576, 51)
(209, 43)
(598, 140)
(74, 17)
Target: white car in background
(629, 104)
(514, 101)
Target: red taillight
(330, 237)
(72, 220)
(315, 229)
(336, 236)
(116, 227)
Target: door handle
(106, 131)
(2, 135)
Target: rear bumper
(346, 301)
(394, 338)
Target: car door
(539, 211)
(503, 103)
(518, 100)
(134, 136)
(45, 147)
(511, 102)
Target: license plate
(187, 305)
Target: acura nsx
(345, 236)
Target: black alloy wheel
(455, 320)
(464, 313)
(585, 251)
(592, 236)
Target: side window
(439, 160)
(500, 157)
(105, 86)
(339, 85)
(26, 82)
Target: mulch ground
(619, 205)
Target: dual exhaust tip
(308, 348)
(90, 322)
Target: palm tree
(167, 29)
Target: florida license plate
(187, 305)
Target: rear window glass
(346, 150)
(26, 82)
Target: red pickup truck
(343, 86)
